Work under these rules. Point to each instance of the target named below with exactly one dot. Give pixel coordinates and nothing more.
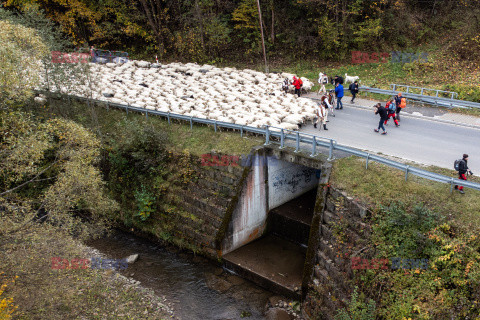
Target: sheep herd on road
(244, 97)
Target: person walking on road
(400, 103)
(339, 93)
(382, 112)
(391, 109)
(463, 169)
(353, 90)
(327, 101)
(322, 115)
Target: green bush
(470, 93)
(357, 308)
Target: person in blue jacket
(339, 94)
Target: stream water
(196, 288)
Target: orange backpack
(403, 102)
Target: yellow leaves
(21, 52)
(7, 308)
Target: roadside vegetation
(418, 219)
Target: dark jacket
(337, 80)
(353, 88)
(462, 167)
(382, 112)
(398, 100)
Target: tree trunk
(272, 34)
(152, 10)
(200, 21)
(261, 32)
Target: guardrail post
(297, 148)
(406, 173)
(452, 95)
(421, 92)
(314, 147)
(408, 87)
(436, 94)
(451, 185)
(168, 117)
(368, 158)
(241, 131)
(191, 123)
(215, 125)
(146, 113)
(282, 139)
(394, 87)
(108, 105)
(127, 107)
(267, 136)
(330, 151)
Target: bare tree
(156, 12)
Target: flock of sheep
(244, 97)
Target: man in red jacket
(297, 83)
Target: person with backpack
(297, 83)
(400, 103)
(382, 112)
(391, 110)
(353, 90)
(339, 93)
(462, 168)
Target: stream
(193, 285)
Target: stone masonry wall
(342, 234)
(206, 200)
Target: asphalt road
(418, 140)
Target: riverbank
(42, 289)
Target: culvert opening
(272, 252)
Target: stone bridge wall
(342, 233)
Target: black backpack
(456, 164)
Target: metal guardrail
(437, 101)
(298, 137)
(422, 90)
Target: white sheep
(351, 79)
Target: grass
(199, 140)
(43, 293)
(381, 185)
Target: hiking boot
(376, 130)
(397, 125)
(325, 127)
(315, 125)
(384, 132)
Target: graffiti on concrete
(290, 181)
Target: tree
(246, 19)
(50, 169)
(21, 53)
(157, 13)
